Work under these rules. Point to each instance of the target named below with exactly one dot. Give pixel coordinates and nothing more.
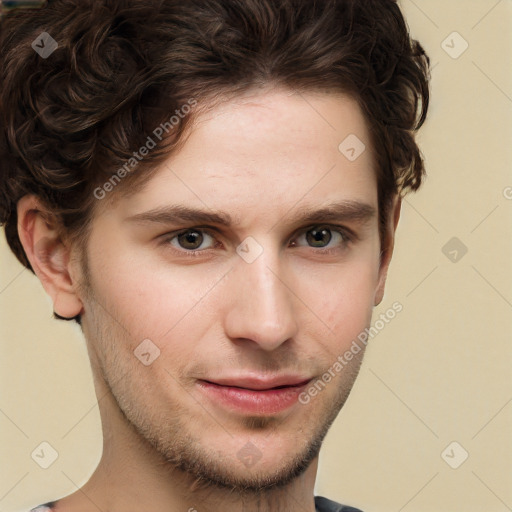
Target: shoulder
(325, 505)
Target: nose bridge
(262, 306)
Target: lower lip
(269, 401)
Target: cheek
(149, 300)
(344, 302)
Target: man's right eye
(188, 240)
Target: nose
(260, 310)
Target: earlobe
(388, 249)
(48, 255)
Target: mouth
(253, 395)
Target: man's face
(266, 301)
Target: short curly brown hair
(122, 67)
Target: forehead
(262, 149)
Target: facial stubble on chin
(210, 470)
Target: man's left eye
(319, 237)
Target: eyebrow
(347, 211)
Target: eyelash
(347, 236)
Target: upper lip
(260, 383)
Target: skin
(263, 158)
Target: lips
(254, 395)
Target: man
(211, 190)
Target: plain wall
(439, 372)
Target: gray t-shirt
(321, 505)
(325, 505)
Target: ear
(387, 248)
(48, 255)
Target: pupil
(191, 237)
(318, 237)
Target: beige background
(439, 372)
